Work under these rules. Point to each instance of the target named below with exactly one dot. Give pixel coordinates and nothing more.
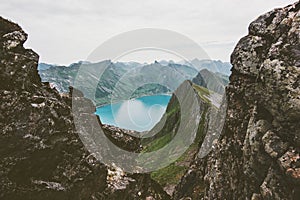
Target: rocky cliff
(257, 156)
(41, 155)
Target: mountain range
(123, 80)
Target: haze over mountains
(123, 80)
(212, 65)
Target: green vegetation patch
(173, 173)
(169, 175)
(202, 92)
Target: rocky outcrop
(257, 155)
(41, 155)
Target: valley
(218, 130)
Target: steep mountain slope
(187, 71)
(167, 129)
(213, 81)
(62, 77)
(257, 156)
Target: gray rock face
(257, 156)
(41, 155)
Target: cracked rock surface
(257, 155)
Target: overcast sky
(66, 31)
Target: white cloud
(66, 31)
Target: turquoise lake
(139, 114)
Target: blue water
(138, 114)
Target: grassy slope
(172, 174)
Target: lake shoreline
(160, 94)
(137, 114)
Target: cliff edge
(257, 155)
